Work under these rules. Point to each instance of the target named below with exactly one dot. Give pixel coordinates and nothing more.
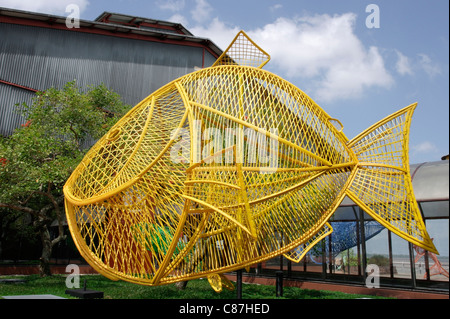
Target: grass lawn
(196, 289)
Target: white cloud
(403, 65)
(276, 7)
(178, 18)
(324, 50)
(220, 33)
(428, 65)
(425, 147)
(45, 6)
(421, 62)
(174, 6)
(171, 5)
(201, 11)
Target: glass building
(358, 243)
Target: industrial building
(134, 56)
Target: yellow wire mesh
(218, 170)
(243, 51)
(296, 255)
(382, 186)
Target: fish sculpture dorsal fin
(243, 51)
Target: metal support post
(279, 283)
(239, 284)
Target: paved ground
(33, 297)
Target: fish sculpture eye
(230, 166)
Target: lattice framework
(226, 167)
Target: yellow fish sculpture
(229, 166)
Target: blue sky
(356, 74)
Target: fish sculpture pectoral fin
(219, 281)
(381, 183)
(216, 282)
(297, 254)
(226, 283)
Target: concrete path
(33, 297)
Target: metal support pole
(239, 284)
(289, 268)
(391, 258)
(330, 254)
(427, 265)
(412, 265)
(363, 244)
(259, 269)
(358, 238)
(279, 283)
(324, 260)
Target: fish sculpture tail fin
(381, 183)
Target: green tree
(37, 159)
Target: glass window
(400, 257)
(434, 209)
(377, 249)
(347, 262)
(315, 257)
(344, 241)
(344, 213)
(438, 264)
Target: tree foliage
(37, 159)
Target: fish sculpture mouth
(226, 167)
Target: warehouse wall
(40, 58)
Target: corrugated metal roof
(36, 57)
(143, 23)
(40, 58)
(124, 26)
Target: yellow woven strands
(243, 51)
(223, 168)
(382, 184)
